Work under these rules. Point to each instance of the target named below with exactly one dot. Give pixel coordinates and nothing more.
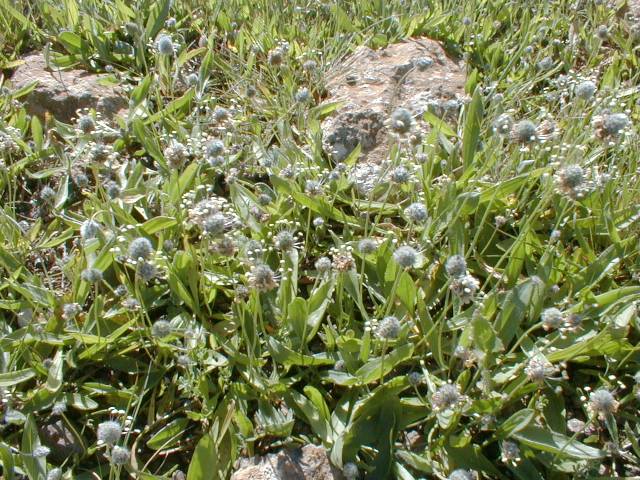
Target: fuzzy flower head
(285, 240)
(388, 328)
(465, 287)
(140, 248)
(89, 229)
(524, 131)
(120, 455)
(572, 181)
(367, 246)
(41, 451)
(503, 124)
(262, 278)
(610, 125)
(350, 471)
(86, 124)
(539, 368)
(552, 318)
(400, 175)
(510, 452)
(407, 257)
(161, 329)
(70, 310)
(323, 265)
(91, 275)
(343, 261)
(54, 474)
(448, 396)
(176, 154)
(109, 432)
(416, 213)
(461, 474)
(164, 45)
(47, 195)
(401, 121)
(585, 90)
(456, 266)
(602, 403)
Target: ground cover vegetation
(197, 279)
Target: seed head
(552, 318)
(388, 328)
(285, 240)
(176, 154)
(538, 368)
(416, 213)
(309, 66)
(510, 452)
(503, 124)
(215, 148)
(614, 123)
(585, 90)
(465, 287)
(303, 95)
(602, 403)
(524, 131)
(323, 265)
(47, 195)
(276, 57)
(313, 188)
(54, 474)
(120, 455)
(400, 175)
(147, 271)
(70, 310)
(461, 474)
(41, 451)
(367, 246)
(456, 266)
(407, 257)
(91, 275)
(415, 378)
(89, 229)
(109, 432)
(161, 329)
(446, 397)
(576, 426)
(350, 471)
(164, 44)
(262, 278)
(215, 224)
(343, 261)
(86, 124)
(401, 121)
(140, 248)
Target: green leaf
(515, 423)
(54, 379)
(288, 357)
(168, 435)
(378, 367)
(472, 129)
(13, 378)
(7, 462)
(561, 445)
(157, 224)
(36, 467)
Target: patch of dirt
(415, 74)
(310, 462)
(62, 92)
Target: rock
(415, 74)
(307, 463)
(63, 92)
(61, 439)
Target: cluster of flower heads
(464, 285)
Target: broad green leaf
(10, 379)
(561, 445)
(168, 435)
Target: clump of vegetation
(196, 280)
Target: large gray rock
(415, 74)
(63, 92)
(307, 463)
